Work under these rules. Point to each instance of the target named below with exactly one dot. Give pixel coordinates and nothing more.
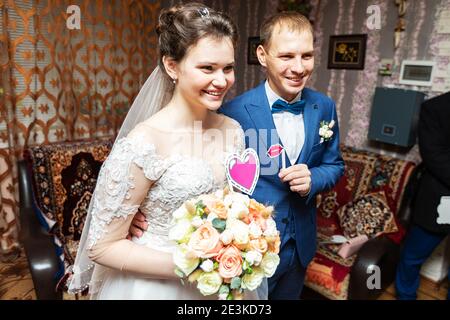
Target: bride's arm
(113, 250)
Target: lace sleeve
(239, 142)
(116, 195)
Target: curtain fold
(59, 84)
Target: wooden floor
(428, 290)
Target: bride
(171, 148)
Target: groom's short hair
(294, 21)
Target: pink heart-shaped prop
(243, 171)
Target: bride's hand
(138, 226)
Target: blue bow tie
(295, 108)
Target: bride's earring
(174, 80)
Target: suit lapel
(311, 122)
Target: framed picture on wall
(347, 51)
(417, 72)
(253, 43)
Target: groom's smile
(289, 60)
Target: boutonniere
(325, 131)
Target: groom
(282, 111)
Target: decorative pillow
(367, 215)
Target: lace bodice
(170, 181)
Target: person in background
(429, 226)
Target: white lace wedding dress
(176, 176)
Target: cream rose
(269, 263)
(271, 228)
(230, 262)
(237, 211)
(181, 213)
(226, 236)
(205, 241)
(253, 257)
(254, 230)
(209, 283)
(181, 231)
(183, 262)
(253, 280)
(207, 265)
(236, 198)
(240, 232)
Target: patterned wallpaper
(353, 90)
(59, 84)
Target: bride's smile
(205, 74)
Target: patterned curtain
(58, 83)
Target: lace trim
(82, 276)
(240, 140)
(115, 182)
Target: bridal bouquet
(226, 243)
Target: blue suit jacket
(324, 160)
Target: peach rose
(205, 241)
(255, 205)
(230, 262)
(265, 212)
(259, 245)
(258, 218)
(218, 207)
(273, 244)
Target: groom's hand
(138, 225)
(299, 178)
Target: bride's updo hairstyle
(181, 26)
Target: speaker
(394, 117)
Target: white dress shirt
(290, 127)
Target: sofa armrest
(38, 243)
(381, 252)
